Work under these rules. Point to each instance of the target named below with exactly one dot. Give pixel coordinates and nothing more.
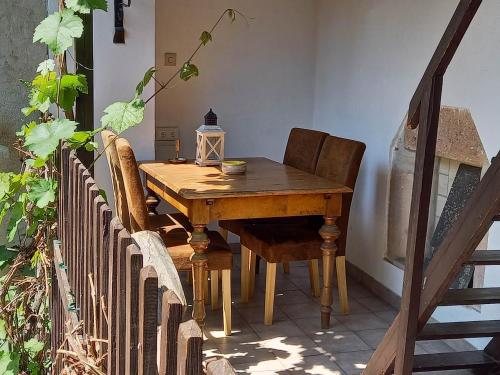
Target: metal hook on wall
(119, 36)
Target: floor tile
(266, 367)
(361, 322)
(312, 326)
(319, 364)
(285, 328)
(256, 314)
(352, 362)
(433, 347)
(340, 342)
(374, 304)
(291, 297)
(285, 347)
(387, 316)
(372, 336)
(301, 310)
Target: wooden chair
(302, 152)
(171, 228)
(339, 160)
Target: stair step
(475, 359)
(471, 296)
(485, 257)
(459, 330)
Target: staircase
(423, 291)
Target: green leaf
(86, 6)
(205, 37)
(44, 138)
(16, 216)
(122, 115)
(33, 346)
(9, 363)
(71, 84)
(147, 77)
(188, 71)
(6, 258)
(64, 90)
(46, 66)
(5, 179)
(91, 146)
(58, 30)
(36, 163)
(42, 192)
(26, 129)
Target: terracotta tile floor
(295, 343)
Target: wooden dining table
(267, 189)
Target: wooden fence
(102, 293)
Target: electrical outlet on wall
(170, 59)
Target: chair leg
(286, 267)
(223, 233)
(270, 288)
(245, 254)
(226, 301)
(214, 289)
(342, 284)
(314, 277)
(205, 287)
(251, 278)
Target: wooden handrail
(444, 53)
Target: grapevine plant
(28, 199)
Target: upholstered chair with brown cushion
(302, 152)
(339, 160)
(174, 234)
(152, 202)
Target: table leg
(329, 232)
(199, 242)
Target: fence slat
(124, 240)
(116, 228)
(134, 266)
(170, 320)
(148, 318)
(190, 349)
(106, 216)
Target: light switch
(170, 59)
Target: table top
(264, 177)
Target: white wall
(117, 70)
(370, 58)
(259, 79)
(346, 67)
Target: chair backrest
(340, 160)
(109, 142)
(303, 149)
(138, 212)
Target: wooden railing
(104, 303)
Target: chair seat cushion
(176, 237)
(278, 243)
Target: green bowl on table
(234, 167)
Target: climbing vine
(28, 199)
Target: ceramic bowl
(234, 167)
